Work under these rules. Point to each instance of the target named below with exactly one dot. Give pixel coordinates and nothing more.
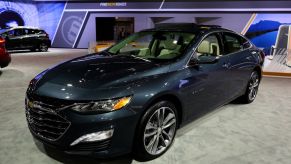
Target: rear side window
(34, 31)
(245, 43)
(232, 43)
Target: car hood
(95, 73)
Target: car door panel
(207, 83)
(240, 62)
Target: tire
(155, 137)
(252, 89)
(43, 47)
(33, 49)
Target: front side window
(164, 45)
(209, 47)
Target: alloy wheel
(43, 47)
(253, 86)
(159, 131)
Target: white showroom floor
(258, 133)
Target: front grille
(44, 121)
(92, 146)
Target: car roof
(185, 27)
(18, 27)
(26, 27)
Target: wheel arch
(259, 70)
(171, 98)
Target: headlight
(102, 106)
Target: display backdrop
(45, 15)
(272, 33)
(72, 24)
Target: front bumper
(123, 122)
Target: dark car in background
(5, 57)
(133, 96)
(20, 38)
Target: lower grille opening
(92, 146)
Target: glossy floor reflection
(234, 134)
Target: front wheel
(43, 47)
(252, 89)
(156, 131)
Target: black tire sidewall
(248, 100)
(139, 150)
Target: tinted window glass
(232, 43)
(18, 32)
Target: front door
(207, 83)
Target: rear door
(241, 60)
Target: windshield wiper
(108, 53)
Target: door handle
(249, 58)
(226, 65)
(254, 52)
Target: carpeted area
(242, 134)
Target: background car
(18, 38)
(136, 94)
(5, 57)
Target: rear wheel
(43, 47)
(157, 131)
(252, 89)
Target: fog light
(92, 137)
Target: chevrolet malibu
(132, 97)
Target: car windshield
(2, 30)
(150, 45)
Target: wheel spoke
(158, 117)
(150, 134)
(150, 126)
(169, 123)
(166, 134)
(163, 140)
(256, 84)
(156, 144)
(168, 118)
(254, 93)
(162, 116)
(151, 143)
